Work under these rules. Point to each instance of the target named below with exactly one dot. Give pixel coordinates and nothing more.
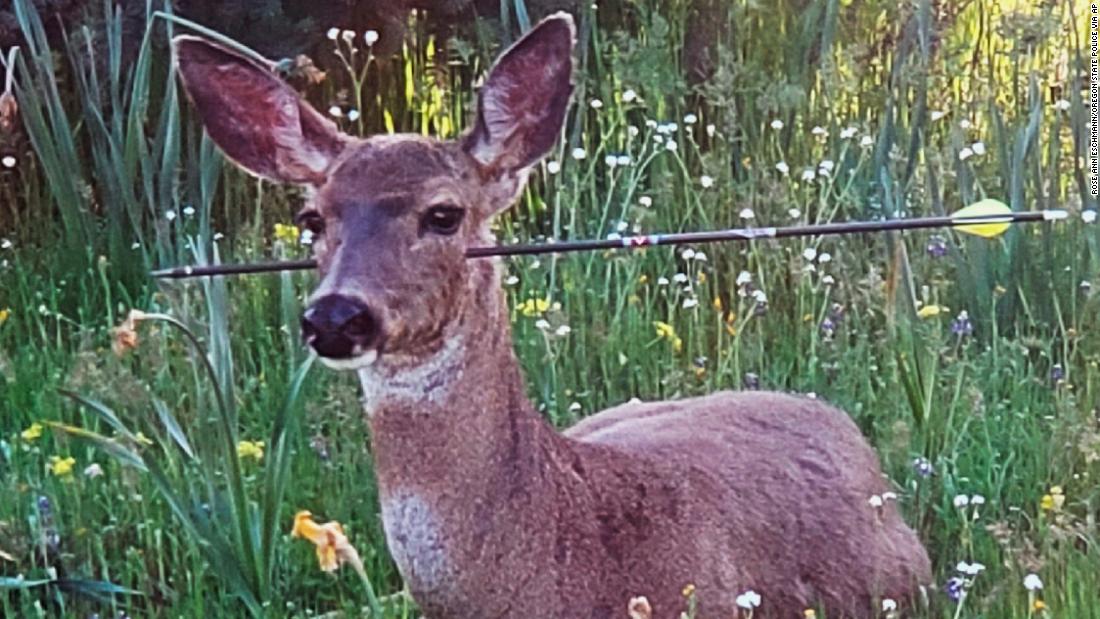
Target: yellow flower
(32, 432)
(643, 280)
(718, 304)
(688, 590)
(333, 548)
(664, 330)
(929, 311)
(142, 439)
(809, 613)
(4, 315)
(701, 277)
(250, 449)
(1039, 605)
(807, 317)
(1054, 500)
(534, 307)
(62, 467)
(287, 233)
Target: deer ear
(521, 107)
(257, 119)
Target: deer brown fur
(488, 511)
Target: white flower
(706, 181)
(700, 256)
(691, 119)
(306, 237)
(690, 302)
(824, 257)
(335, 111)
(759, 296)
(848, 133)
(744, 277)
(170, 215)
(866, 141)
(937, 114)
(623, 160)
(777, 124)
(828, 280)
(794, 213)
(611, 161)
(888, 605)
(826, 165)
(511, 280)
(711, 130)
(542, 324)
(596, 104)
(662, 281)
(970, 569)
(748, 600)
(1061, 105)
(622, 226)
(348, 35)
(783, 168)
(579, 153)
(553, 167)
(808, 174)
(614, 236)
(652, 124)
(563, 331)
(680, 278)
(136, 245)
(93, 470)
(332, 34)
(961, 500)
(965, 153)
(687, 254)
(645, 201)
(9, 161)
(746, 213)
(977, 499)
(574, 407)
(978, 148)
(370, 37)
(819, 131)
(671, 145)
(1088, 216)
(1032, 582)
(353, 115)
(188, 211)
(5, 244)
(964, 123)
(629, 95)
(633, 131)
(875, 501)
(219, 236)
(809, 254)
(669, 127)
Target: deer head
(391, 215)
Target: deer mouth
(348, 364)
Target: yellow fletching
(998, 213)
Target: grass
(116, 174)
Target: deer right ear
(257, 119)
(521, 107)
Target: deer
(488, 511)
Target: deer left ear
(521, 107)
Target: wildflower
(706, 181)
(828, 280)
(748, 600)
(563, 331)
(937, 246)
(691, 119)
(777, 124)
(954, 588)
(5, 244)
(978, 148)
(923, 466)
(964, 124)
(250, 449)
(819, 131)
(808, 175)
(809, 613)
(188, 211)
(332, 34)
(687, 254)
(662, 281)
(759, 296)
(1061, 105)
(534, 307)
(783, 168)
(9, 161)
(680, 278)
(579, 153)
(847, 133)
(966, 153)
(125, 335)
(645, 201)
(751, 381)
(866, 141)
(961, 500)
(809, 254)
(688, 590)
(170, 215)
(1053, 500)
(333, 548)
(353, 115)
(746, 213)
(632, 131)
(370, 37)
(977, 499)
(700, 256)
(347, 35)
(1088, 216)
(937, 114)
(306, 237)
(32, 433)
(889, 605)
(639, 608)
(794, 213)
(826, 166)
(875, 501)
(629, 95)
(825, 257)
(511, 280)
(62, 467)
(287, 233)
(611, 161)
(1032, 582)
(335, 111)
(671, 145)
(962, 326)
(690, 302)
(744, 277)
(596, 104)
(828, 327)
(553, 167)
(1038, 606)
(970, 569)
(93, 470)
(928, 311)
(711, 130)
(4, 315)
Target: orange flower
(126, 337)
(333, 548)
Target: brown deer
(489, 512)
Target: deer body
(489, 512)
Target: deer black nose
(339, 327)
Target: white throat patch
(428, 381)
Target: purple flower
(828, 327)
(1057, 373)
(937, 246)
(954, 588)
(962, 326)
(923, 467)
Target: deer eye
(312, 221)
(442, 219)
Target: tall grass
(1005, 411)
